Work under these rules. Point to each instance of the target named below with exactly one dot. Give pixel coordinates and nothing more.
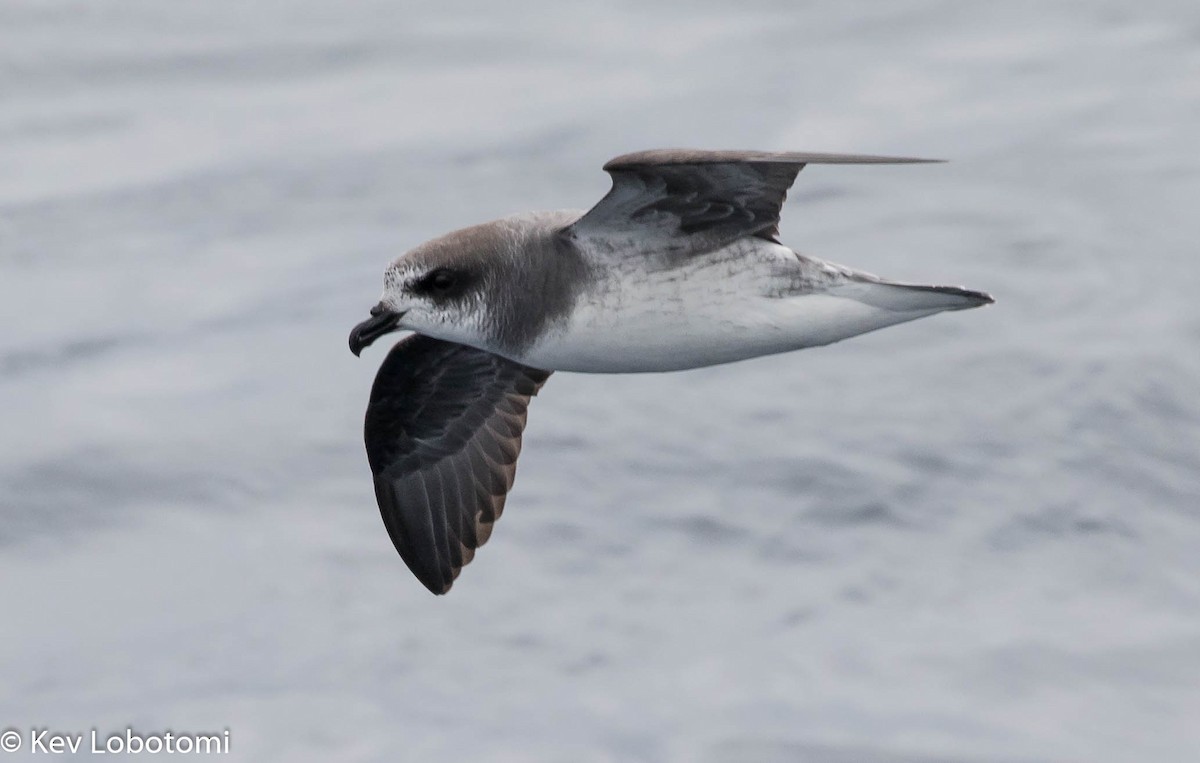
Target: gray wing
(443, 431)
(678, 202)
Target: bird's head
(436, 289)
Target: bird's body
(679, 267)
(615, 313)
(750, 298)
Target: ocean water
(969, 539)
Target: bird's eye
(441, 280)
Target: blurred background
(972, 538)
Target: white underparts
(748, 299)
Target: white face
(442, 301)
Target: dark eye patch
(442, 283)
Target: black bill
(382, 321)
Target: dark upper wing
(680, 201)
(443, 431)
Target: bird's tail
(860, 302)
(911, 298)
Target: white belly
(752, 298)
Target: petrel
(679, 266)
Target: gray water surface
(973, 538)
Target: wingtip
(870, 159)
(433, 579)
(668, 156)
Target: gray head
(437, 288)
(484, 285)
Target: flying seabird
(679, 266)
